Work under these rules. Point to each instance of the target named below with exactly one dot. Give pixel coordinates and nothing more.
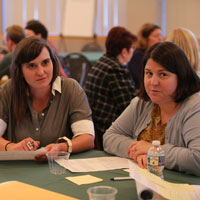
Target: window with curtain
(52, 12)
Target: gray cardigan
(182, 133)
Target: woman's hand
(57, 147)
(27, 144)
(80, 143)
(41, 157)
(142, 161)
(138, 148)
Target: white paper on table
(94, 164)
(164, 188)
(20, 155)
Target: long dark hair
(174, 60)
(28, 49)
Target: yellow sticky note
(85, 179)
(126, 170)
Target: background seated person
(148, 35)
(14, 34)
(187, 41)
(167, 109)
(109, 85)
(36, 28)
(38, 106)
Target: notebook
(15, 190)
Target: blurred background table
(91, 56)
(38, 174)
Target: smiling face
(159, 83)
(38, 73)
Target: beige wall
(179, 13)
(0, 20)
(183, 13)
(140, 12)
(122, 10)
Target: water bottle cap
(156, 143)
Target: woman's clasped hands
(138, 152)
(28, 144)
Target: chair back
(78, 66)
(92, 47)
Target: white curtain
(51, 12)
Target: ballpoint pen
(121, 178)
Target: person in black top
(148, 35)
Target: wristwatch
(69, 142)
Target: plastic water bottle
(156, 159)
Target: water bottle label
(156, 160)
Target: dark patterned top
(109, 88)
(155, 130)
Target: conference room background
(169, 14)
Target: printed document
(164, 188)
(20, 155)
(94, 164)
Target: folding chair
(78, 66)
